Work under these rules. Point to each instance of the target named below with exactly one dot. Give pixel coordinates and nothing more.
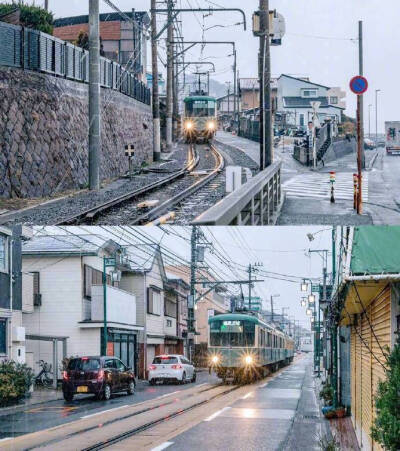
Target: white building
(12, 332)
(63, 285)
(294, 99)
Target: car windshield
(167, 360)
(84, 364)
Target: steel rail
(124, 417)
(124, 435)
(93, 212)
(153, 216)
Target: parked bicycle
(45, 376)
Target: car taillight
(100, 375)
(152, 367)
(176, 367)
(65, 375)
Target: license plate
(82, 389)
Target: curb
(20, 407)
(371, 163)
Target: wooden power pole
(155, 90)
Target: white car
(171, 367)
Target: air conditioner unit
(37, 299)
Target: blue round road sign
(359, 84)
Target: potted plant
(327, 394)
(340, 412)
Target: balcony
(121, 306)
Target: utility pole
(155, 90)
(174, 92)
(235, 109)
(94, 96)
(272, 309)
(193, 267)
(46, 5)
(170, 75)
(249, 271)
(264, 70)
(369, 120)
(361, 66)
(229, 97)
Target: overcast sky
(280, 250)
(320, 42)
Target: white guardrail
(257, 202)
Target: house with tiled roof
(295, 97)
(63, 285)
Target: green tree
(83, 42)
(31, 16)
(386, 427)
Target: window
(334, 100)
(310, 92)
(3, 336)
(169, 323)
(84, 364)
(3, 253)
(232, 333)
(110, 363)
(165, 360)
(153, 301)
(120, 366)
(170, 308)
(91, 277)
(36, 282)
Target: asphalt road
(282, 414)
(307, 192)
(53, 413)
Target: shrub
(386, 427)
(15, 380)
(31, 16)
(327, 393)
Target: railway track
(110, 427)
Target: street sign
(314, 288)
(129, 150)
(359, 84)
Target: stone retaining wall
(44, 133)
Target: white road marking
(104, 411)
(248, 395)
(162, 446)
(316, 185)
(169, 394)
(214, 415)
(6, 438)
(200, 385)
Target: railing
(33, 50)
(257, 202)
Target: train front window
(232, 333)
(200, 108)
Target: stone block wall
(44, 133)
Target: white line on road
(214, 415)
(104, 411)
(248, 395)
(169, 394)
(200, 385)
(6, 438)
(162, 446)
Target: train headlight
(214, 359)
(189, 125)
(211, 125)
(248, 360)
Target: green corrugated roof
(376, 250)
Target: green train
(200, 119)
(243, 348)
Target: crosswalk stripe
(318, 186)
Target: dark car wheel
(131, 388)
(152, 382)
(107, 392)
(68, 396)
(183, 378)
(194, 377)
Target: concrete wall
(339, 149)
(121, 305)
(44, 133)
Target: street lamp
(115, 274)
(308, 312)
(376, 116)
(311, 298)
(303, 302)
(304, 286)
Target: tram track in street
(84, 433)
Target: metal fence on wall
(33, 50)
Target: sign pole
(359, 156)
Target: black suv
(101, 376)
